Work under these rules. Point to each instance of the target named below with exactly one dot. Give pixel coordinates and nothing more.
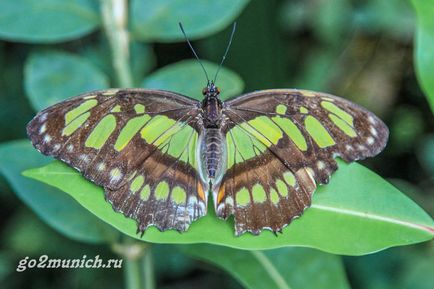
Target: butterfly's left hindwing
(138, 144)
(280, 144)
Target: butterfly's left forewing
(280, 144)
(138, 144)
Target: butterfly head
(211, 90)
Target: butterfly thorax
(211, 107)
(212, 144)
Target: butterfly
(159, 154)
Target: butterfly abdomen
(212, 155)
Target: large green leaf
(58, 210)
(285, 268)
(357, 213)
(47, 21)
(52, 76)
(188, 78)
(424, 53)
(158, 20)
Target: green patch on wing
(318, 132)
(75, 124)
(338, 112)
(100, 134)
(130, 130)
(251, 138)
(291, 131)
(162, 191)
(175, 138)
(79, 110)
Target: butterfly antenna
(194, 52)
(227, 50)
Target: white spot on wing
(43, 117)
(220, 207)
(56, 147)
(370, 140)
(101, 167)
(320, 165)
(373, 131)
(110, 92)
(361, 147)
(229, 201)
(371, 119)
(70, 148)
(311, 174)
(47, 138)
(115, 175)
(42, 129)
(201, 206)
(192, 201)
(348, 148)
(84, 158)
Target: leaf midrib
(366, 215)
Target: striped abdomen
(212, 155)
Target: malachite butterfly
(159, 154)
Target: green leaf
(316, 74)
(357, 213)
(425, 153)
(6, 266)
(58, 210)
(188, 78)
(169, 260)
(412, 268)
(424, 54)
(158, 20)
(419, 274)
(285, 268)
(52, 76)
(47, 21)
(381, 17)
(142, 60)
(23, 226)
(15, 110)
(331, 20)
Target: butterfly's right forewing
(138, 144)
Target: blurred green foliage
(51, 75)
(424, 43)
(52, 206)
(173, 77)
(360, 49)
(271, 269)
(47, 21)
